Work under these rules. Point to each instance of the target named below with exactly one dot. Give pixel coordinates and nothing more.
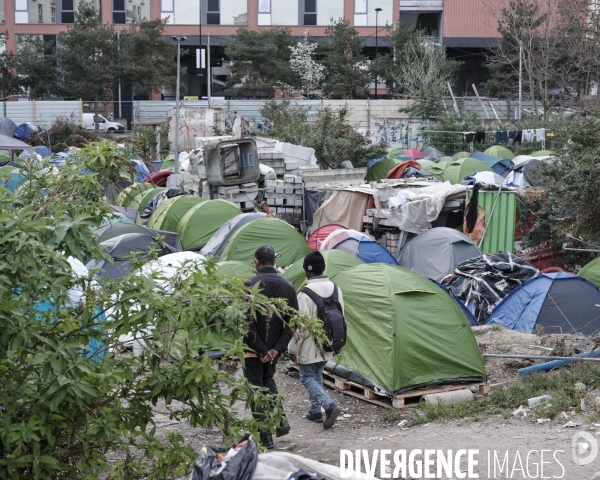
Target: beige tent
(342, 208)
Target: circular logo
(584, 448)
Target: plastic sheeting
(413, 210)
(482, 282)
(278, 465)
(344, 208)
(313, 199)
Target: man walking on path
(268, 337)
(312, 359)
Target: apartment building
(466, 26)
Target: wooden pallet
(408, 399)
(413, 398)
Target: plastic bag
(236, 463)
(267, 172)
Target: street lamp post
(178, 40)
(377, 10)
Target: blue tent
(498, 165)
(42, 151)
(14, 180)
(22, 132)
(368, 250)
(142, 171)
(556, 302)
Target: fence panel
(47, 112)
(19, 112)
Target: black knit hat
(314, 262)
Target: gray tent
(432, 153)
(7, 126)
(437, 252)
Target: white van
(104, 125)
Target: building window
(214, 12)
(213, 15)
(40, 13)
(67, 14)
(119, 15)
(310, 12)
(52, 14)
(365, 14)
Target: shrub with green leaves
(70, 392)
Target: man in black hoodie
(268, 337)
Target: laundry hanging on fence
(528, 135)
(501, 137)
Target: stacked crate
(243, 195)
(285, 196)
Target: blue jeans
(311, 376)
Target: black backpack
(330, 312)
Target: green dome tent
(6, 170)
(591, 272)
(459, 155)
(127, 195)
(542, 153)
(380, 170)
(403, 330)
(455, 172)
(170, 212)
(500, 152)
(425, 164)
(141, 199)
(234, 267)
(271, 231)
(335, 262)
(201, 222)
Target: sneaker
(314, 417)
(283, 429)
(331, 415)
(266, 440)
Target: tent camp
(125, 247)
(7, 126)
(455, 172)
(130, 213)
(436, 252)
(379, 168)
(553, 303)
(482, 282)
(233, 267)
(414, 345)
(158, 199)
(128, 195)
(526, 174)
(359, 245)
(459, 155)
(432, 153)
(202, 221)
(498, 165)
(218, 242)
(284, 239)
(414, 154)
(499, 151)
(335, 262)
(591, 271)
(170, 212)
(121, 228)
(141, 199)
(319, 235)
(182, 264)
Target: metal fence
(453, 142)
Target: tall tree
(348, 74)
(528, 30)
(87, 56)
(146, 59)
(9, 81)
(260, 60)
(37, 68)
(311, 74)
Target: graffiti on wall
(399, 132)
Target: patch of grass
(496, 328)
(388, 416)
(559, 385)
(291, 448)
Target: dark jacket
(264, 334)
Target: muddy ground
(367, 426)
